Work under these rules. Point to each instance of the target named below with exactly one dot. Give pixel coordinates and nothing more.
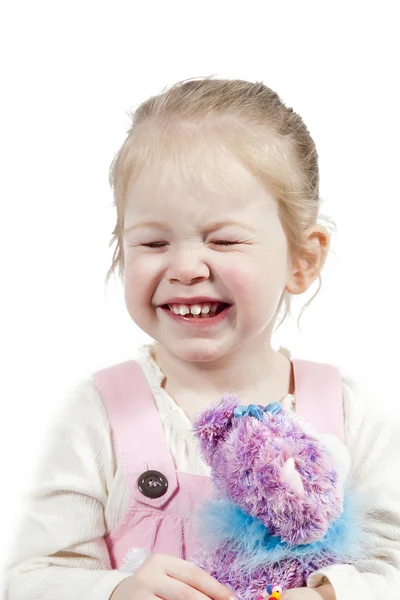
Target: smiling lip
(194, 300)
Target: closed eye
(224, 243)
(216, 242)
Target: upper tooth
(195, 309)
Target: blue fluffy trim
(224, 523)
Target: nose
(187, 266)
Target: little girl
(217, 195)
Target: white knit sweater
(80, 494)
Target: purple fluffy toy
(279, 510)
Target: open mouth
(206, 310)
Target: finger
(169, 588)
(198, 579)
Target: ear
(213, 425)
(305, 270)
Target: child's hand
(169, 578)
(325, 592)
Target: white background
(70, 73)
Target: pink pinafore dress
(162, 500)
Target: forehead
(207, 181)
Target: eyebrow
(211, 227)
(154, 224)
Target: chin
(198, 350)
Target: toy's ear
(213, 424)
(291, 476)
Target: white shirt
(80, 494)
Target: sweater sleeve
(373, 440)
(60, 550)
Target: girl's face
(202, 244)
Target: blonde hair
(247, 119)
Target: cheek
(240, 279)
(255, 281)
(244, 285)
(140, 275)
(246, 273)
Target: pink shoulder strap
(137, 429)
(319, 396)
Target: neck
(259, 375)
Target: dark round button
(152, 484)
